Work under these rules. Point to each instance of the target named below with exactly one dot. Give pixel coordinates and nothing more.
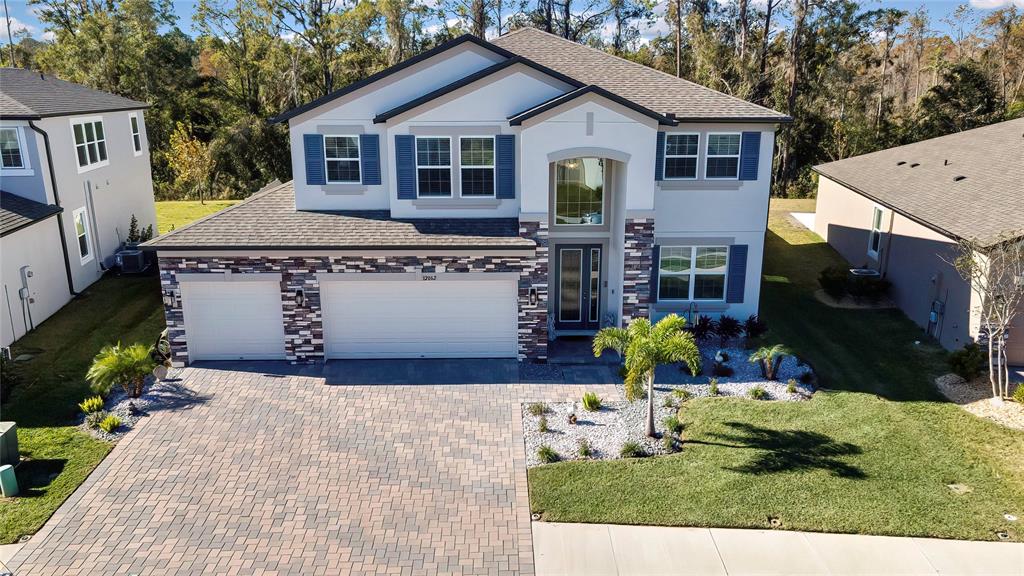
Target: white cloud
(993, 4)
(49, 36)
(17, 28)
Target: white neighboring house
(480, 200)
(74, 168)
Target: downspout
(56, 200)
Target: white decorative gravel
(618, 422)
(166, 394)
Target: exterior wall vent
(900, 163)
(959, 178)
(915, 165)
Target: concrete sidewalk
(597, 549)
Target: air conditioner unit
(131, 261)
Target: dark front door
(578, 287)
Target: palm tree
(645, 347)
(124, 365)
(769, 358)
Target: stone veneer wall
(303, 326)
(638, 261)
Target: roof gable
(570, 97)
(28, 95)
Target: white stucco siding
(38, 247)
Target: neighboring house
(74, 168)
(479, 200)
(901, 211)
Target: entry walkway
(605, 549)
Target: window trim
(88, 234)
(708, 155)
(136, 131)
(696, 157)
(493, 167)
(450, 166)
(82, 120)
(604, 193)
(872, 231)
(26, 162)
(692, 273)
(358, 159)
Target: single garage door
(402, 318)
(234, 320)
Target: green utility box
(9, 444)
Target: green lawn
(873, 454)
(174, 214)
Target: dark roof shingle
(27, 94)
(17, 212)
(269, 221)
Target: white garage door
(444, 318)
(233, 320)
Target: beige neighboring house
(900, 211)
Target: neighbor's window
(579, 191)
(133, 120)
(342, 156)
(875, 237)
(11, 155)
(90, 143)
(692, 272)
(476, 165)
(82, 233)
(723, 156)
(681, 156)
(434, 166)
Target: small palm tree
(769, 358)
(124, 365)
(645, 347)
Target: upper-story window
(434, 166)
(12, 150)
(133, 123)
(681, 152)
(579, 191)
(723, 161)
(341, 154)
(476, 165)
(90, 143)
(692, 272)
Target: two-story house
(480, 200)
(74, 169)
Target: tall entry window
(579, 191)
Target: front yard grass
(173, 214)
(874, 453)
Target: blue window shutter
(659, 157)
(505, 151)
(316, 173)
(737, 274)
(405, 166)
(749, 151)
(655, 266)
(369, 158)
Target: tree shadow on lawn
(789, 451)
(34, 476)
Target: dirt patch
(850, 303)
(976, 398)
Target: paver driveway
(271, 474)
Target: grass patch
(873, 454)
(173, 214)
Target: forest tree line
(855, 79)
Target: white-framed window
(82, 233)
(90, 143)
(133, 123)
(681, 152)
(723, 156)
(476, 166)
(875, 236)
(14, 159)
(692, 272)
(579, 191)
(341, 154)
(433, 166)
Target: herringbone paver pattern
(288, 475)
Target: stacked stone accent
(638, 262)
(303, 326)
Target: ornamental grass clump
(632, 449)
(547, 454)
(591, 402)
(537, 408)
(91, 405)
(110, 423)
(758, 393)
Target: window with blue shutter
(506, 145)
(737, 282)
(659, 157)
(749, 153)
(405, 166)
(369, 157)
(313, 148)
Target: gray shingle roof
(646, 86)
(17, 212)
(917, 180)
(28, 94)
(269, 221)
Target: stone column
(637, 265)
(533, 318)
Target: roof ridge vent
(959, 178)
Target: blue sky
(22, 17)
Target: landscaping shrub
(537, 408)
(671, 444)
(591, 402)
(632, 449)
(769, 358)
(547, 454)
(124, 365)
(93, 420)
(669, 402)
(110, 423)
(721, 370)
(672, 424)
(90, 405)
(727, 328)
(542, 425)
(681, 394)
(968, 362)
(833, 281)
(758, 393)
(791, 386)
(703, 328)
(754, 327)
(585, 450)
(714, 387)
(1018, 394)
